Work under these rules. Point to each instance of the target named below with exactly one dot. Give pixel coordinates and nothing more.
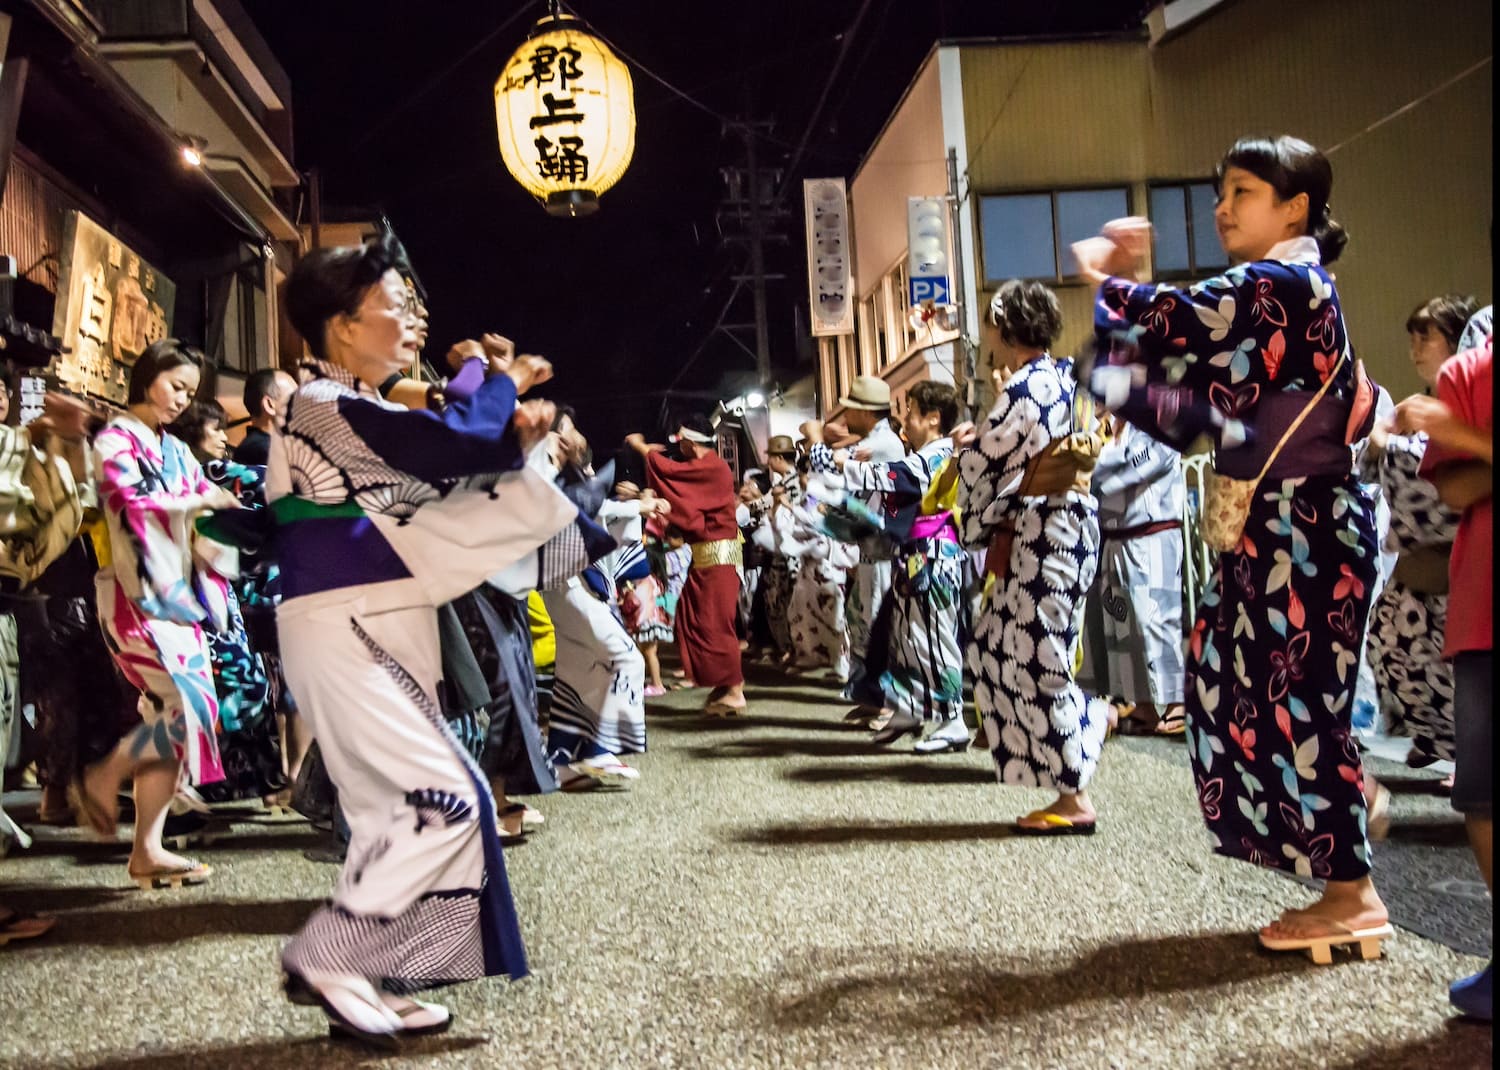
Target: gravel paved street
(772, 893)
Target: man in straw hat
(867, 422)
(780, 571)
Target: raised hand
(964, 435)
(66, 417)
(500, 351)
(1132, 235)
(835, 431)
(528, 371)
(217, 498)
(464, 351)
(532, 421)
(1094, 257)
(1418, 413)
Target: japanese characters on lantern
(566, 116)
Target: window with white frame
(1030, 235)
(1182, 221)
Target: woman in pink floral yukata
(157, 595)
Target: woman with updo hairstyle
(158, 600)
(1023, 495)
(1259, 358)
(1405, 644)
(383, 514)
(249, 746)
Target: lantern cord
(647, 71)
(687, 97)
(432, 83)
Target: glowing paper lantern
(566, 115)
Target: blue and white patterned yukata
(1042, 729)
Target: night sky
(393, 103)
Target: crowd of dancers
(401, 604)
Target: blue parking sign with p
(932, 288)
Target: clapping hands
(1120, 250)
(533, 421)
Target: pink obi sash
(937, 526)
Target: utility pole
(750, 216)
(758, 265)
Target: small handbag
(1226, 501)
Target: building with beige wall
(1051, 137)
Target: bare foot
(158, 860)
(1076, 808)
(1352, 905)
(99, 795)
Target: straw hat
(868, 393)
(781, 444)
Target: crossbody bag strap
(1303, 415)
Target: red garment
(702, 495)
(706, 638)
(1466, 384)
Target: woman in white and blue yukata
(914, 662)
(598, 711)
(1024, 493)
(382, 515)
(1133, 637)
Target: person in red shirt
(700, 488)
(1459, 425)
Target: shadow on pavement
(830, 698)
(933, 770)
(258, 840)
(1415, 785)
(39, 899)
(1461, 1045)
(873, 832)
(939, 993)
(175, 916)
(697, 723)
(783, 748)
(304, 1052)
(1438, 832)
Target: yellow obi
(718, 552)
(98, 534)
(543, 636)
(937, 499)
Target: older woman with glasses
(383, 515)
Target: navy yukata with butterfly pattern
(1274, 652)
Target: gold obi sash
(718, 552)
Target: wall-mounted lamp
(193, 148)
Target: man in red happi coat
(700, 488)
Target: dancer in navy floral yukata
(1273, 655)
(1024, 496)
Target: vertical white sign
(830, 284)
(929, 262)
